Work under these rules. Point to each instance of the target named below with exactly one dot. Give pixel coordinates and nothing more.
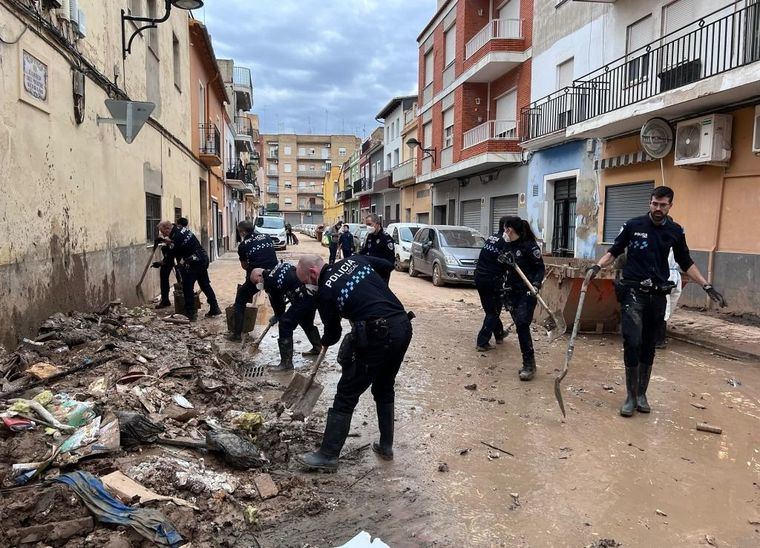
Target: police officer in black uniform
(370, 355)
(642, 289)
(378, 243)
(489, 279)
(185, 249)
(346, 241)
(255, 251)
(523, 251)
(283, 286)
(165, 267)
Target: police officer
(334, 234)
(165, 267)
(642, 289)
(346, 241)
(255, 251)
(185, 248)
(523, 251)
(378, 243)
(370, 355)
(282, 285)
(489, 279)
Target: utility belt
(647, 286)
(360, 335)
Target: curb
(729, 351)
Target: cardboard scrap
(127, 490)
(43, 370)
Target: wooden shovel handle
(315, 368)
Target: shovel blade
(558, 395)
(300, 397)
(557, 326)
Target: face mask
(311, 289)
(505, 237)
(370, 229)
(260, 286)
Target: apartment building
(474, 77)
(352, 176)
(332, 211)
(295, 169)
(693, 64)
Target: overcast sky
(321, 62)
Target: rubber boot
(642, 405)
(238, 319)
(662, 341)
(214, 311)
(528, 370)
(385, 416)
(336, 431)
(162, 304)
(315, 340)
(286, 355)
(631, 386)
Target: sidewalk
(725, 336)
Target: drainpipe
(711, 256)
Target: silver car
(447, 253)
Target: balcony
(348, 194)
(314, 156)
(242, 85)
(272, 173)
(493, 130)
(273, 206)
(312, 173)
(255, 136)
(310, 206)
(677, 75)
(210, 145)
(273, 153)
(384, 181)
(404, 173)
(310, 189)
(410, 115)
(495, 50)
(273, 190)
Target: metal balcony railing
(309, 189)
(210, 140)
(502, 130)
(714, 44)
(496, 29)
(241, 76)
(243, 126)
(273, 190)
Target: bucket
(179, 300)
(250, 318)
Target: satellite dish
(657, 137)
(129, 116)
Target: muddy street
(481, 459)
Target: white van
(274, 227)
(403, 234)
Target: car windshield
(461, 238)
(270, 222)
(406, 233)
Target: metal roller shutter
(503, 205)
(623, 202)
(471, 214)
(293, 218)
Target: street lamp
(126, 45)
(412, 142)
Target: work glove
(714, 295)
(157, 264)
(273, 319)
(536, 288)
(595, 269)
(507, 258)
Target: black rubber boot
(315, 340)
(163, 304)
(528, 370)
(631, 386)
(642, 405)
(214, 311)
(238, 319)
(286, 355)
(336, 431)
(385, 424)
(662, 341)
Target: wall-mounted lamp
(126, 45)
(412, 142)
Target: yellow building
(332, 210)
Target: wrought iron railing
(241, 76)
(496, 29)
(243, 126)
(210, 139)
(726, 39)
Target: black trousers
(489, 290)
(642, 318)
(346, 252)
(301, 312)
(163, 275)
(245, 294)
(197, 272)
(376, 365)
(521, 308)
(333, 252)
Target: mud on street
(593, 479)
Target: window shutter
(450, 46)
(640, 34)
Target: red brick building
(474, 77)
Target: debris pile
(116, 423)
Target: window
(288, 168)
(398, 126)
(341, 151)
(565, 73)
(177, 59)
(288, 185)
(288, 201)
(429, 68)
(448, 128)
(152, 216)
(177, 213)
(388, 164)
(427, 135)
(153, 33)
(563, 236)
(288, 151)
(623, 202)
(395, 157)
(638, 35)
(510, 10)
(301, 151)
(450, 41)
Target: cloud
(321, 65)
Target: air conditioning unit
(756, 134)
(704, 141)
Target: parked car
(447, 253)
(360, 234)
(403, 234)
(275, 228)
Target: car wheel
(437, 278)
(397, 264)
(412, 272)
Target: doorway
(563, 235)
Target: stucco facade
(332, 210)
(73, 200)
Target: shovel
(138, 287)
(571, 343)
(557, 326)
(302, 393)
(257, 342)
